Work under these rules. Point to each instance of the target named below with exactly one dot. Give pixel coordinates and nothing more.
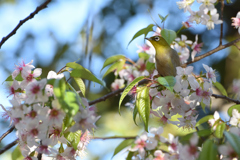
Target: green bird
(167, 59)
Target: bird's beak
(147, 38)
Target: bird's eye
(156, 38)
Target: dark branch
(7, 147)
(21, 22)
(6, 133)
(211, 52)
(227, 98)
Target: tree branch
(7, 147)
(220, 47)
(6, 133)
(227, 98)
(21, 22)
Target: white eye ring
(156, 38)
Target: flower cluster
(149, 147)
(206, 15)
(235, 88)
(236, 22)
(187, 93)
(41, 122)
(153, 146)
(129, 73)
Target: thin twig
(7, 147)
(237, 46)
(6, 133)
(21, 22)
(221, 34)
(114, 137)
(227, 98)
(211, 52)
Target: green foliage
(204, 132)
(130, 155)
(204, 119)
(16, 154)
(116, 66)
(220, 88)
(59, 88)
(73, 138)
(168, 35)
(209, 151)
(128, 88)
(143, 104)
(18, 78)
(81, 85)
(135, 112)
(168, 82)
(220, 128)
(144, 31)
(143, 55)
(150, 66)
(234, 141)
(81, 72)
(230, 109)
(122, 145)
(113, 59)
(162, 18)
(70, 105)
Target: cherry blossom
(236, 22)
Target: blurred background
(91, 31)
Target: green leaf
(116, 66)
(168, 82)
(81, 85)
(229, 1)
(144, 31)
(18, 78)
(16, 154)
(205, 132)
(209, 151)
(59, 88)
(204, 119)
(150, 66)
(130, 155)
(143, 55)
(128, 88)
(67, 122)
(73, 138)
(203, 105)
(168, 35)
(234, 140)
(81, 72)
(162, 18)
(220, 88)
(70, 106)
(143, 104)
(219, 130)
(123, 145)
(79, 99)
(135, 112)
(112, 59)
(230, 109)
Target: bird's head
(158, 41)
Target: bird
(167, 59)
